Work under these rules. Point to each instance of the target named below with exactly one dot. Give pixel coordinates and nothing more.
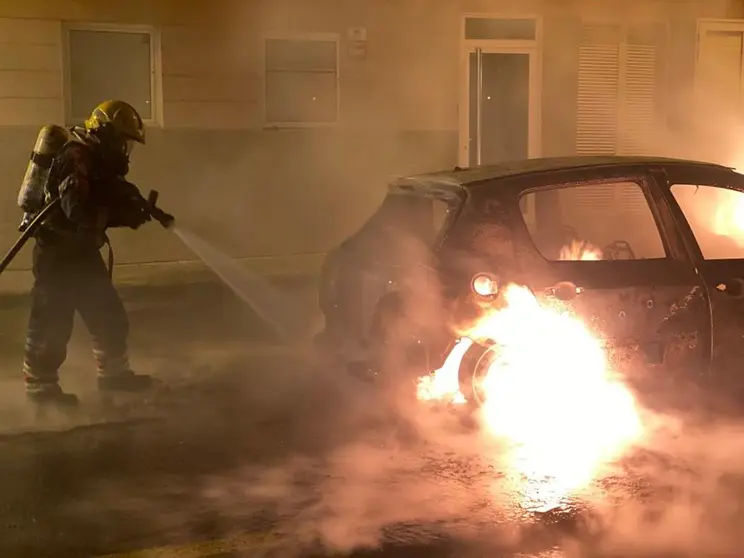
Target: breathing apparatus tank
(49, 142)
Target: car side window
(600, 221)
(527, 207)
(716, 217)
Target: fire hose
(165, 219)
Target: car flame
(549, 393)
(728, 217)
(580, 251)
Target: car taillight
(485, 285)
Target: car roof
(459, 178)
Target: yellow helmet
(121, 116)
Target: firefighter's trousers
(66, 281)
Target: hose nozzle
(165, 219)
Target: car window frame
(596, 176)
(452, 198)
(715, 177)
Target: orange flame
(549, 393)
(580, 251)
(444, 383)
(728, 218)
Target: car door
(708, 203)
(607, 232)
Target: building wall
(259, 191)
(32, 86)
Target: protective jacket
(94, 196)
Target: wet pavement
(260, 449)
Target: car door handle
(565, 290)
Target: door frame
(712, 271)
(585, 178)
(629, 284)
(493, 46)
(721, 178)
(714, 24)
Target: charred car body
(664, 284)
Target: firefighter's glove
(165, 219)
(137, 215)
(130, 205)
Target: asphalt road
(259, 449)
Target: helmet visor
(129, 147)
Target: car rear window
(410, 215)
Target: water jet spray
(28, 229)
(273, 306)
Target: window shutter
(616, 105)
(637, 100)
(599, 205)
(638, 132)
(596, 110)
(598, 197)
(630, 199)
(612, 198)
(617, 91)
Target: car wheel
(473, 370)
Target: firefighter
(69, 272)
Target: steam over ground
(356, 465)
(371, 467)
(329, 459)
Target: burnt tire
(473, 370)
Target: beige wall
(735, 9)
(32, 94)
(274, 192)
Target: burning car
(647, 252)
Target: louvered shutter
(630, 199)
(637, 128)
(616, 197)
(637, 122)
(637, 100)
(598, 196)
(617, 91)
(602, 212)
(596, 110)
(615, 107)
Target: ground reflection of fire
(550, 395)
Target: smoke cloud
(350, 467)
(300, 446)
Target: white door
(719, 98)
(720, 64)
(500, 113)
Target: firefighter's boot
(53, 401)
(125, 383)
